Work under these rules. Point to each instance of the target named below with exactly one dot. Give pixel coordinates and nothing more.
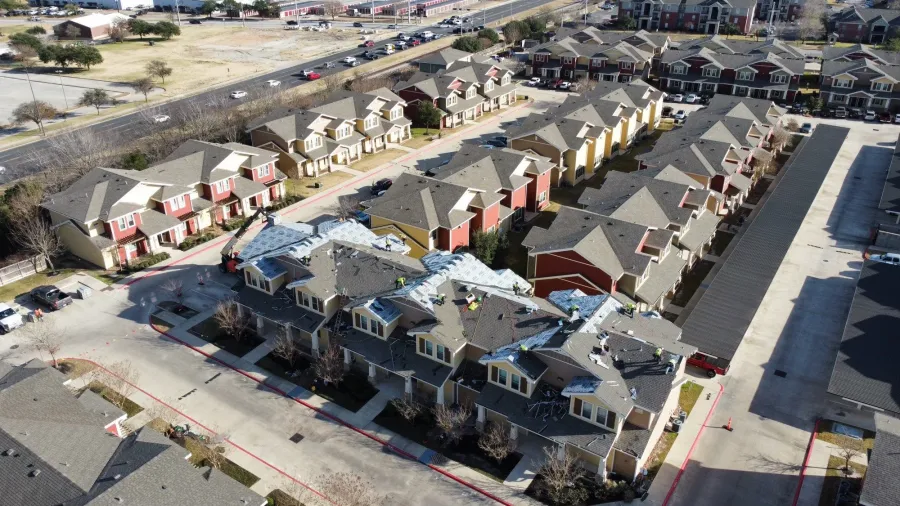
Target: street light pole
(65, 100)
(37, 110)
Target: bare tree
(847, 450)
(144, 86)
(119, 30)
(37, 237)
(35, 111)
(791, 125)
(893, 4)
(122, 378)
(330, 366)
(559, 474)
(366, 84)
(230, 319)
(810, 21)
(333, 8)
(43, 336)
(781, 138)
(586, 85)
(409, 409)
(495, 442)
(175, 287)
(72, 32)
(349, 489)
(286, 347)
(763, 163)
(159, 68)
(346, 207)
(451, 421)
(162, 416)
(73, 153)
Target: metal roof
(717, 324)
(890, 197)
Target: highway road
(19, 163)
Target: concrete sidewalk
(817, 469)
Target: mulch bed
(758, 190)
(584, 491)
(209, 331)
(280, 367)
(721, 241)
(352, 393)
(691, 282)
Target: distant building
(872, 26)
(91, 27)
(703, 16)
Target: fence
(23, 269)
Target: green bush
(489, 33)
(36, 30)
(135, 161)
(284, 202)
(146, 261)
(193, 240)
(467, 44)
(232, 224)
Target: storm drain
(780, 373)
(296, 438)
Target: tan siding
(420, 243)
(81, 246)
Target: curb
(809, 450)
(693, 446)
(195, 422)
(333, 418)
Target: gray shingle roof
(154, 222)
(445, 56)
(639, 199)
(422, 202)
(193, 162)
(721, 44)
(491, 170)
(834, 53)
(94, 195)
(890, 196)
(718, 322)
(881, 486)
(865, 369)
(397, 354)
(280, 307)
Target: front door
(858, 101)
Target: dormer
(371, 121)
(843, 81)
(376, 317)
(885, 84)
(746, 74)
(711, 70)
(780, 77)
(584, 404)
(312, 142)
(343, 131)
(679, 68)
(394, 113)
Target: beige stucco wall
(81, 246)
(388, 328)
(588, 460)
(596, 402)
(640, 417)
(421, 239)
(510, 370)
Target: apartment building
(863, 83)
(860, 51)
(110, 217)
(348, 125)
(779, 10)
(462, 93)
(763, 75)
(588, 55)
(870, 26)
(703, 16)
(724, 45)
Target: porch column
(561, 452)
(479, 422)
(407, 385)
(601, 471)
(259, 324)
(346, 359)
(240, 310)
(372, 378)
(513, 436)
(315, 343)
(440, 395)
(288, 332)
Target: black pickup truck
(51, 296)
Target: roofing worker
(658, 354)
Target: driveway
(796, 331)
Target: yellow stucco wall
(510, 370)
(81, 246)
(420, 238)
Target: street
(796, 331)
(18, 163)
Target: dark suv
(51, 296)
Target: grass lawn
(834, 475)
(720, 241)
(198, 451)
(128, 406)
(466, 452)
(210, 331)
(691, 282)
(306, 187)
(826, 434)
(278, 497)
(688, 396)
(419, 137)
(25, 285)
(75, 367)
(369, 162)
(352, 393)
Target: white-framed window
(740, 91)
(264, 171)
(779, 78)
(371, 122)
(745, 75)
(842, 83)
(126, 222)
(501, 376)
(311, 302)
(567, 60)
(313, 142)
(396, 113)
(540, 57)
(879, 102)
(429, 348)
(838, 98)
(489, 85)
(542, 197)
(710, 72)
(679, 69)
(178, 203)
(470, 93)
(876, 86)
(516, 382)
(451, 99)
(583, 408)
(222, 186)
(343, 131)
(675, 84)
(443, 354)
(363, 322)
(624, 65)
(597, 62)
(504, 80)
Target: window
(881, 86)
(396, 113)
(567, 60)
(222, 186)
(745, 75)
(586, 409)
(740, 91)
(443, 354)
(879, 102)
(371, 122)
(679, 69)
(540, 57)
(516, 381)
(624, 65)
(579, 171)
(611, 419)
(264, 170)
(710, 72)
(126, 222)
(451, 99)
(251, 279)
(597, 62)
(542, 197)
(429, 348)
(363, 322)
(600, 415)
(317, 304)
(470, 93)
(504, 81)
(502, 377)
(488, 86)
(709, 87)
(343, 131)
(178, 203)
(842, 83)
(779, 78)
(837, 98)
(313, 142)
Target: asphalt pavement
(19, 164)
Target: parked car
(807, 128)
(51, 296)
(855, 113)
(292, 22)
(897, 119)
(392, 27)
(238, 94)
(534, 81)
(362, 217)
(870, 116)
(565, 85)
(381, 186)
(680, 115)
(676, 98)
(840, 112)
(885, 117)
(314, 76)
(349, 59)
(886, 258)
(690, 99)
(667, 112)
(9, 319)
(160, 118)
(273, 83)
(357, 24)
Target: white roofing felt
(383, 309)
(592, 308)
(582, 385)
(464, 268)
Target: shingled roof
(421, 202)
(639, 199)
(491, 170)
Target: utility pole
(585, 11)
(408, 13)
(177, 14)
(297, 13)
(65, 99)
(37, 110)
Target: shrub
(467, 44)
(285, 201)
(134, 161)
(36, 30)
(191, 241)
(489, 33)
(146, 261)
(232, 224)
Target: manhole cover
(296, 438)
(780, 373)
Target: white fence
(19, 270)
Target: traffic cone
(728, 427)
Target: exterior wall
(561, 372)
(388, 328)
(485, 219)
(543, 287)
(597, 403)
(640, 417)
(510, 370)
(539, 184)
(82, 247)
(112, 228)
(518, 198)
(426, 338)
(260, 137)
(210, 192)
(421, 239)
(568, 262)
(451, 239)
(167, 207)
(589, 461)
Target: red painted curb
(386, 444)
(225, 237)
(195, 422)
(693, 446)
(809, 449)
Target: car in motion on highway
(160, 118)
(307, 72)
(273, 83)
(314, 76)
(349, 59)
(238, 94)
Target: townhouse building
(454, 331)
(859, 51)
(444, 59)
(870, 26)
(700, 70)
(110, 217)
(779, 10)
(478, 190)
(570, 58)
(724, 45)
(703, 16)
(861, 83)
(339, 132)
(461, 93)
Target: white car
(307, 72)
(9, 319)
(680, 115)
(348, 59)
(690, 99)
(273, 83)
(870, 116)
(238, 94)
(676, 98)
(2, 169)
(887, 258)
(534, 81)
(896, 120)
(160, 118)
